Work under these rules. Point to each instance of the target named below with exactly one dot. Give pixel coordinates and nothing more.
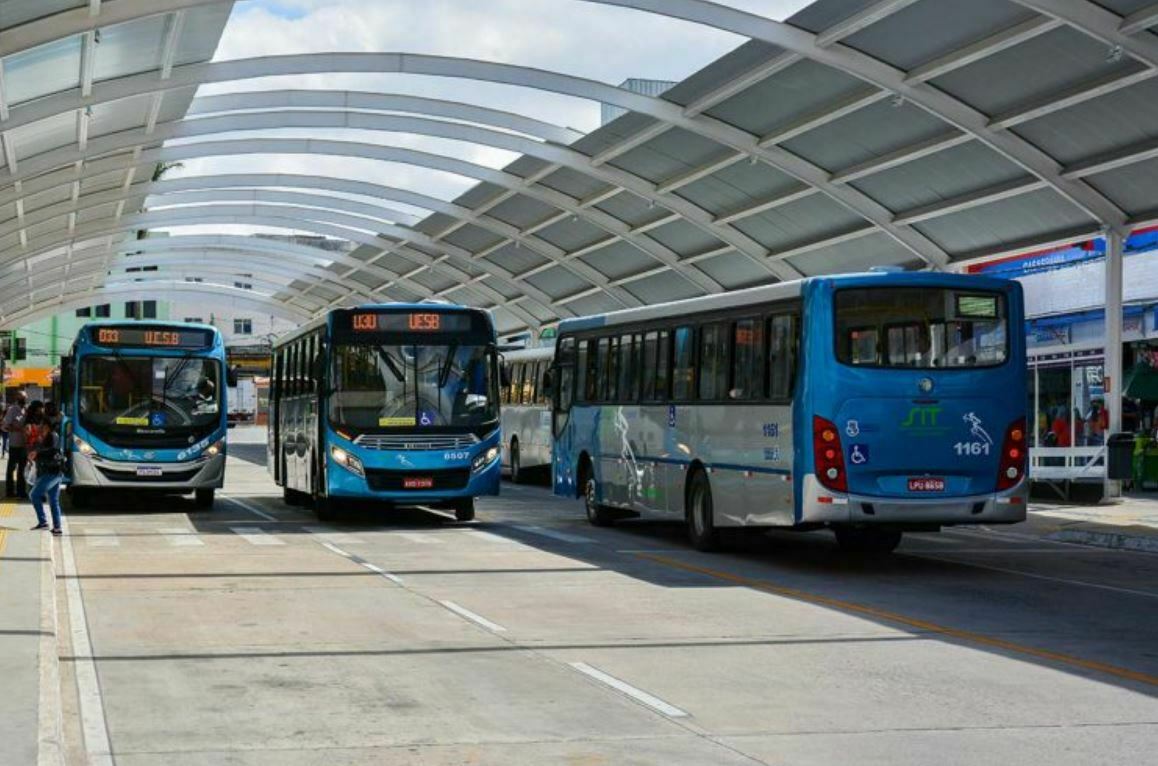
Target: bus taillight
(1013, 456)
(829, 455)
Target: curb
(1111, 540)
(50, 729)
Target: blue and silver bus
(396, 403)
(146, 410)
(526, 412)
(869, 404)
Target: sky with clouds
(585, 39)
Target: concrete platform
(252, 634)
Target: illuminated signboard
(410, 322)
(139, 337)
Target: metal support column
(1113, 366)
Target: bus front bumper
(821, 506)
(387, 485)
(95, 471)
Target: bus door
(562, 388)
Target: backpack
(49, 459)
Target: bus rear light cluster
(828, 454)
(1013, 456)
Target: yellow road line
(7, 507)
(912, 622)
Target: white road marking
(563, 536)
(418, 537)
(255, 536)
(336, 550)
(101, 538)
(181, 537)
(475, 618)
(491, 537)
(653, 702)
(252, 509)
(379, 570)
(341, 538)
(92, 708)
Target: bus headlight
(82, 446)
(483, 459)
(350, 462)
(215, 449)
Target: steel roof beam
(1069, 96)
(875, 72)
(1099, 23)
(514, 184)
(318, 221)
(1140, 20)
(971, 200)
(862, 19)
(987, 46)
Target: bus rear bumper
(820, 506)
(94, 471)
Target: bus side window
(683, 364)
(518, 382)
(588, 383)
(782, 342)
(648, 365)
(748, 360)
(565, 383)
(713, 361)
(604, 354)
(628, 391)
(529, 382)
(663, 365)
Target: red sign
(926, 484)
(426, 322)
(418, 482)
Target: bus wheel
(203, 498)
(290, 496)
(325, 508)
(598, 515)
(867, 539)
(80, 498)
(516, 468)
(701, 526)
(464, 509)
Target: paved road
(253, 635)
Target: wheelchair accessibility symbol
(858, 454)
(425, 419)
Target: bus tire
(516, 468)
(79, 497)
(203, 498)
(598, 515)
(867, 539)
(702, 530)
(325, 508)
(290, 496)
(464, 509)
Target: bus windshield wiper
(444, 373)
(392, 365)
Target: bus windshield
(916, 327)
(149, 395)
(404, 386)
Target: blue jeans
(47, 487)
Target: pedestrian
(17, 454)
(52, 414)
(49, 460)
(33, 424)
(1061, 429)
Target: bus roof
(776, 292)
(529, 354)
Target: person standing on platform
(49, 460)
(1061, 429)
(13, 425)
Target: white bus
(526, 413)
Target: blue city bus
(395, 403)
(145, 408)
(868, 404)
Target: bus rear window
(917, 327)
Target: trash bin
(1120, 458)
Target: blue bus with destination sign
(395, 403)
(869, 404)
(145, 408)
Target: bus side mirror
(66, 384)
(548, 383)
(504, 376)
(231, 377)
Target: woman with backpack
(49, 461)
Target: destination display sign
(156, 337)
(418, 321)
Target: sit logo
(922, 420)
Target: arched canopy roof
(927, 133)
